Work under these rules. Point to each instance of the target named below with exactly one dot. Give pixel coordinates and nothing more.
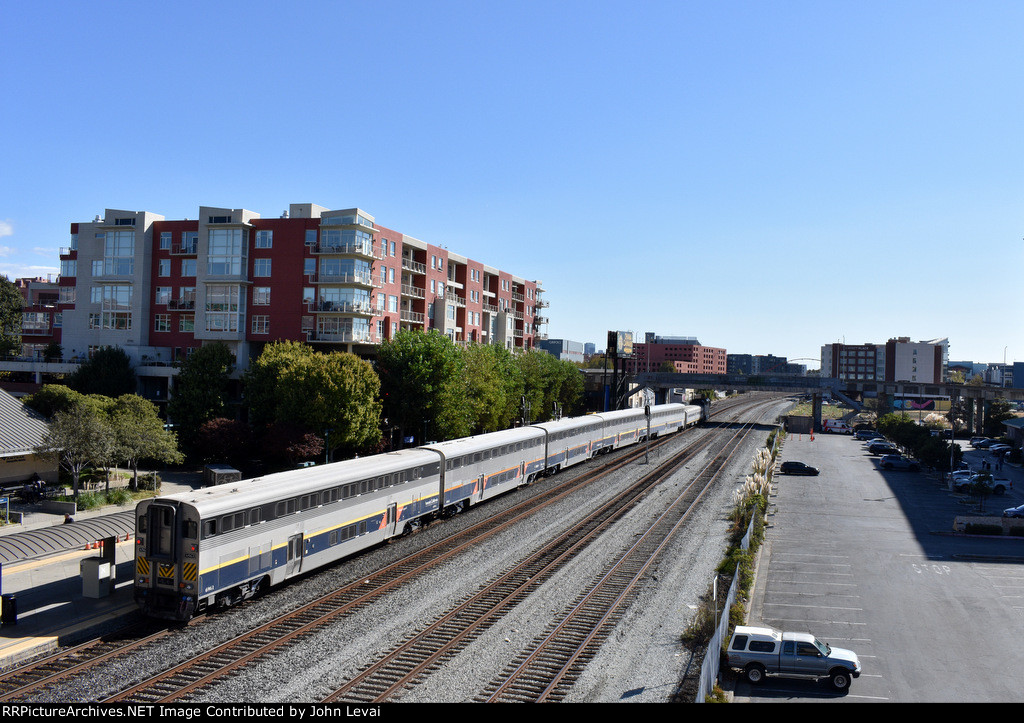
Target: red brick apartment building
(161, 288)
(686, 354)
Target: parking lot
(866, 559)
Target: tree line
(300, 404)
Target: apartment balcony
(413, 317)
(185, 249)
(414, 266)
(414, 292)
(35, 330)
(454, 298)
(538, 320)
(356, 279)
(490, 308)
(181, 304)
(541, 303)
(516, 296)
(341, 307)
(362, 250)
(339, 337)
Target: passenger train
(219, 545)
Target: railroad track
(451, 632)
(19, 682)
(180, 681)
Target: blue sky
(766, 176)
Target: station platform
(47, 585)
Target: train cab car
(219, 545)
(484, 466)
(569, 441)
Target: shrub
(119, 496)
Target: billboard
(620, 344)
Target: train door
(295, 549)
(392, 517)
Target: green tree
(549, 384)
(76, 437)
(108, 372)
(999, 411)
(200, 391)
(422, 383)
(53, 398)
(140, 434)
(11, 305)
(494, 386)
(336, 395)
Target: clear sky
(768, 177)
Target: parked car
(794, 467)
(977, 441)
(995, 485)
(1017, 511)
(998, 449)
(881, 446)
(898, 461)
(866, 434)
(982, 443)
(765, 651)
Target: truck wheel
(754, 674)
(840, 680)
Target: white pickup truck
(761, 651)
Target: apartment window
(94, 321)
(187, 323)
(119, 253)
(189, 242)
(261, 267)
(308, 294)
(188, 267)
(309, 266)
(226, 251)
(219, 219)
(264, 239)
(391, 276)
(163, 267)
(165, 240)
(163, 294)
(311, 237)
(69, 267)
(392, 303)
(260, 324)
(66, 295)
(162, 322)
(261, 296)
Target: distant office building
(685, 353)
(589, 349)
(898, 360)
(762, 364)
(563, 349)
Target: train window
(142, 523)
(239, 520)
(189, 529)
(333, 538)
(209, 528)
(361, 530)
(255, 516)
